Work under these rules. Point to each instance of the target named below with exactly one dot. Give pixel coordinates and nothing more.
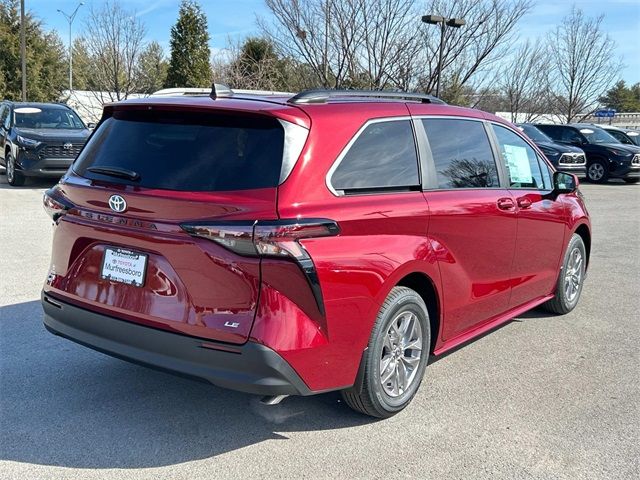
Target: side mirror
(91, 125)
(565, 182)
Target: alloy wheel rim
(401, 354)
(596, 171)
(10, 168)
(573, 275)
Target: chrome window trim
(345, 150)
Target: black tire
(598, 171)
(369, 396)
(14, 177)
(632, 180)
(562, 302)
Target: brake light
(277, 238)
(235, 236)
(55, 204)
(280, 239)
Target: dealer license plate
(124, 266)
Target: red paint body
(484, 263)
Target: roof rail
(323, 96)
(219, 90)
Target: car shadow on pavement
(31, 183)
(65, 405)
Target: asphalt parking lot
(543, 397)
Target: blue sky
(237, 19)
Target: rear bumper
(251, 368)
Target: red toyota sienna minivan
(293, 245)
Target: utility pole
(70, 19)
(444, 23)
(23, 52)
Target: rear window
(184, 151)
(383, 156)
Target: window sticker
(518, 163)
(587, 131)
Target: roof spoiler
(324, 95)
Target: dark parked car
(606, 156)
(39, 139)
(623, 135)
(565, 158)
(332, 240)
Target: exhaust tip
(272, 399)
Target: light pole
(444, 23)
(23, 52)
(70, 19)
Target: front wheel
(571, 279)
(14, 177)
(598, 171)
(396, 356)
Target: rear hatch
(120, 248)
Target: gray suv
(39, 139)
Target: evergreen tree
(46, 58)
(82, 66)
(151, 68)
(622, 98)
(189, 65)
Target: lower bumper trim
(251, 368)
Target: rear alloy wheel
(569, 286)
(597, 172)
(396, 356)
(14, 177)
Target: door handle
(524, 202)
(506, 204)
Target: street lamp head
(456, 22)
(432, 19)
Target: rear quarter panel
(383, 237)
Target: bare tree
(524, 82)
(382, 43)
(471, 52)
(114, 41)
(583, 62)
(347, 43)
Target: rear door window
(382, 157)
(524, 168)
(187, 151)
(461, 153)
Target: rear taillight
(277, 238)
(55, 204)
(281, 238)
(235, 236)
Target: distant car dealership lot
(542, 397)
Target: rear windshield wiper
(116, 172)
